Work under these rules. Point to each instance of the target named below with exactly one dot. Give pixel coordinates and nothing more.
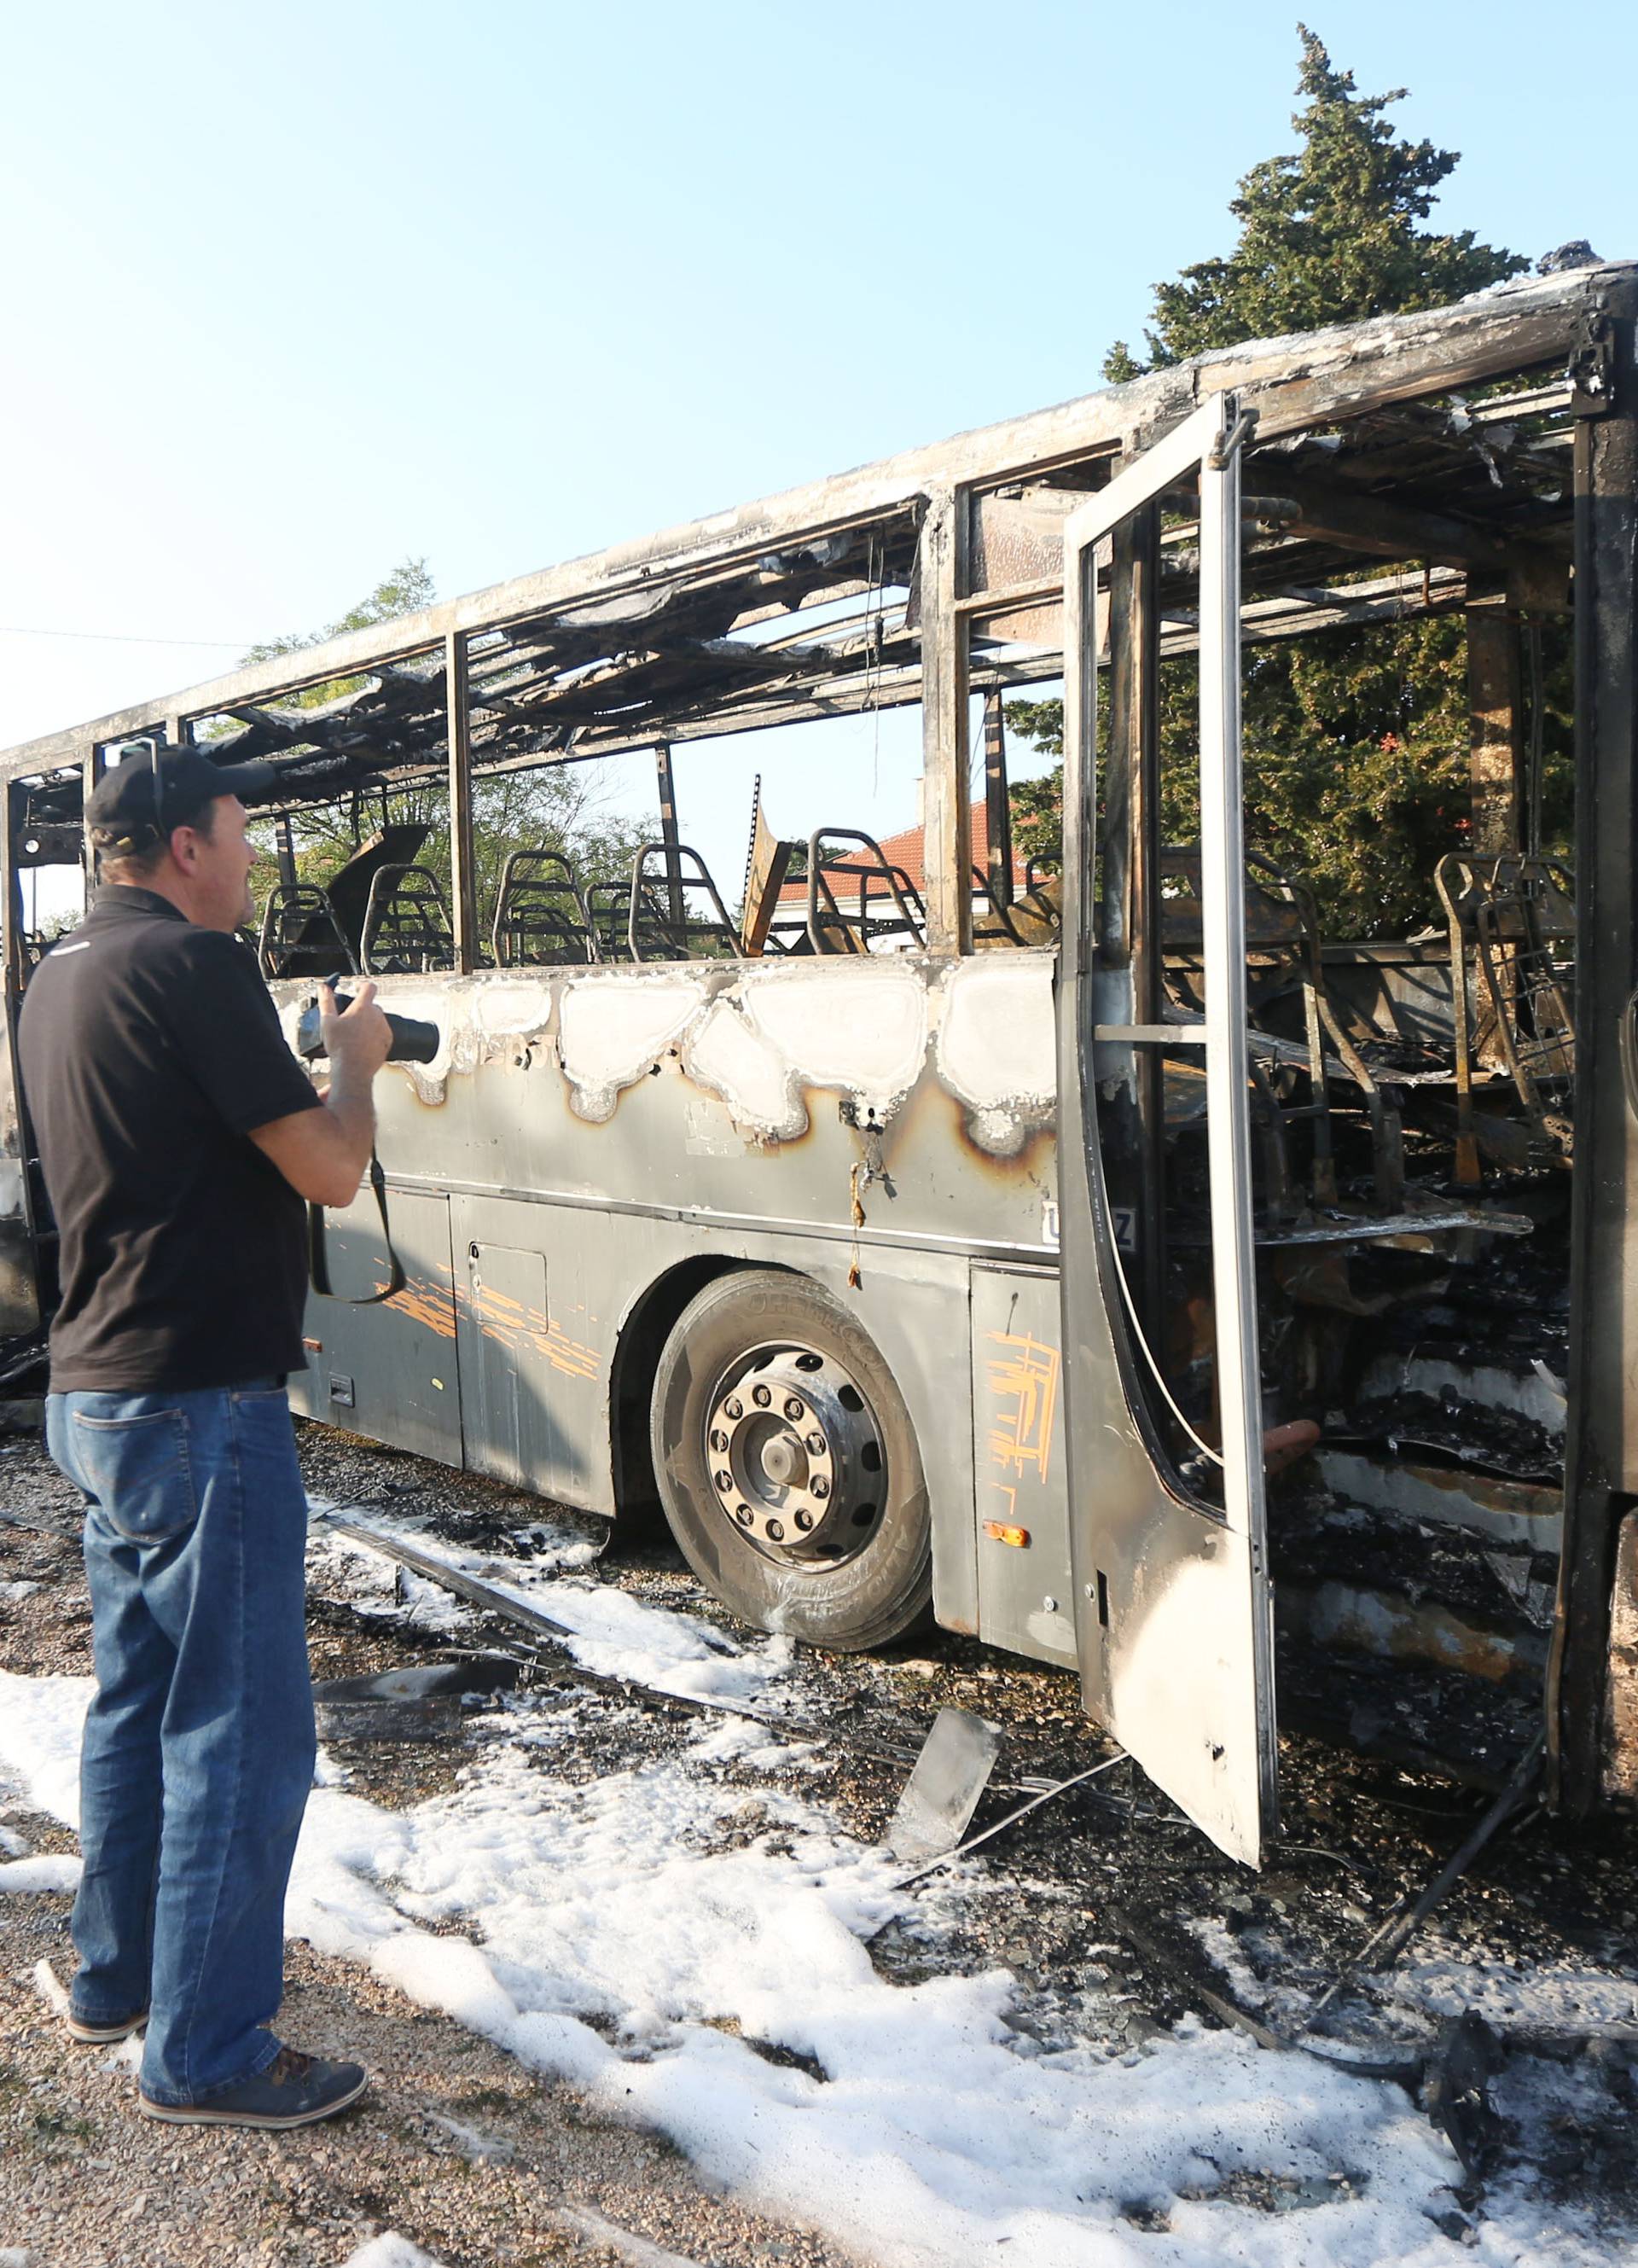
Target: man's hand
(322, 1153)
(356, 1039)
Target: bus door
(1173, 1621)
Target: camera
(413, 1041)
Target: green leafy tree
(405, 591)
(1355, 740)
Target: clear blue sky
(292, 292)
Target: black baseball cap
(159, 787)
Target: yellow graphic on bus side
(501, 1316)
(1023, 1394)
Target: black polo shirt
(149, 1047)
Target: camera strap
(319, 1258)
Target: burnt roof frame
(1293, 384)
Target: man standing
(178, 1136)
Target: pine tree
(1329, 235)
(1356, 741)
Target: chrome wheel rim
(794, 1456)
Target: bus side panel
(1025, 1599)
(916, 1307)
(512, 1356)
(534, 1353)
(594, 1130)
(545, 1288)
(388, 1371)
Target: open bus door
(1173, 1614)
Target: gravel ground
(456, 2146)
(1109, 1910)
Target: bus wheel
(788, 1466)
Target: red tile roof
(906, 850)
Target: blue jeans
(199, 1747)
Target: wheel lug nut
(719, 1440)
(775, 1531)
(734, 1406)
(819, 1486)
(805, 1520)
(794, 1410)
(725, 1482)
(816, 1445)
(761, 1395)
(742, 1514)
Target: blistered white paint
(510, 1005)
(728, 1055)
(997, 1045)
(862, 1029)
(613, 1029)
(758, 1042)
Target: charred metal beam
(463, 871)
(1130, 909)
(12, 896)
(947, 813)
(1601, 1448)
(1394, 357)
(517, 743)
(666, 785)
(997, 800)
(1388, 529)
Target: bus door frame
(1173, 1607)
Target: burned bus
(1109, 1262)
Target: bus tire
(787, 1465)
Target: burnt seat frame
(291, 910)
(996, 925)
(407, 930)
(1282, 924)
(1510, 913)
(829, 929)
(608, 902)
(541, 918)
(658, 923)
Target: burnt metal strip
(1601, 1444)
(904, 1240)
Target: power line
(125, 637)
